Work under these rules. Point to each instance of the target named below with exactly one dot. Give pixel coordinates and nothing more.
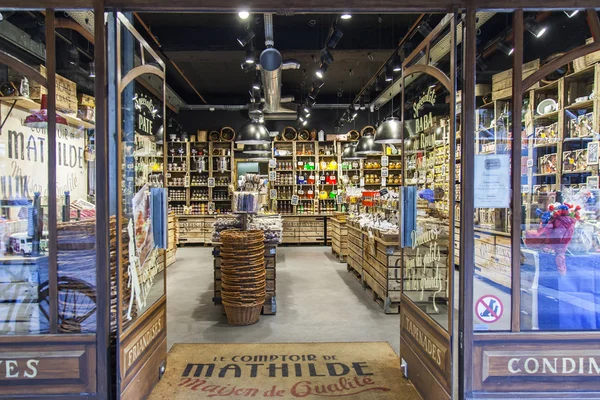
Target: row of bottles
(285, 165)
(177, 167)
(199, 180)
(199, 209)
(285, 193)
(222, 181)
(284, 179)
(176, 195)
(307, 208)
(285, 207)
(220, 195)
(325, 178)
(199, 194)
(328, 206)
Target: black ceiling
(205, 48)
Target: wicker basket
(242, 315)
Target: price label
(273, 194)
(186, 181)
(272, 163)
(339, 199)
(383, 182)
(294, 200)
(384, 172)
(211, 182)
(385, 161)
(272, 176)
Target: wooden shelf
(26, 103)
(583, 104)
(553, 114)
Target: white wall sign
(492, 181)
(24, 152)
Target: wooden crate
(502, 82)
(583, 62)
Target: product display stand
(339, 237)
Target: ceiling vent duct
(271, 67)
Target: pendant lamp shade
(253, 132)
(39, 119)
(367, 146)
(349, 153)
(389, 132)
(258, 149)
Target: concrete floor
(317, 301)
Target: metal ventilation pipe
(271, 65)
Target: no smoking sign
(489, 308)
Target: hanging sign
(340, 198)
(211, 182)
(273, 194)
(272, 163)
(384, 172)
(272, 176)
(294, 200)
(385, 161)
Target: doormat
(359, 370)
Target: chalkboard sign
(295, 200)
(383, 192)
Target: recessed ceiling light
(244, 14)
(346, 16)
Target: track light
(571, 14)
(314, 92)
(505, 47)
(250, 53)
(424, 29)
(256, 82)
(244, 14)
(534, 28)
(305, 122)
(346, 16)
(321, 70)
(388, 73)
(246, 38)
(397, 64)
(246, 67)
(306, 109)
(317, 84)
(354, 115)
(326, 56)
(310, 101)
(334, 38)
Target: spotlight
(571, 14)
(244, 14)
(388, 73)
(397, 63)
(481, 63)
(534, 28)
(334, 38)
(246, 38)
(346, 16)
(505, 47)
(246, 67)
(321, 70)
(424, 29)
(304, 123)
(301, 119)
(92, 69)
(256, 85)
(318, 84)
(326, 56)
(250, 54)
(306, 109)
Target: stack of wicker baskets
(243, 275)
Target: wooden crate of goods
(583, 62)
(339, 238)
(502, 82)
